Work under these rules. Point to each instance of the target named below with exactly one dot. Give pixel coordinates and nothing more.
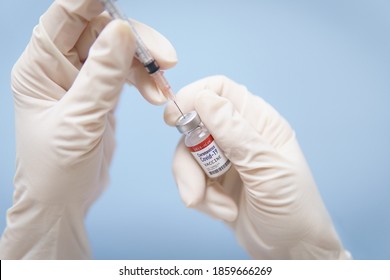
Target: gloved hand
(268, 197)
(66, 86)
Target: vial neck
(197, 128)
(192, 130)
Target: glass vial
(202, 145)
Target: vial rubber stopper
(188, 122)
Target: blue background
(324, 65)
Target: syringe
(143, 55)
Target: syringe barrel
(163, 84)
(142, 53)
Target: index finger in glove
(160, 48)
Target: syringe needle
(165, 87)
(177, 106)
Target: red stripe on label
(202, 144)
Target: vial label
(210, 157)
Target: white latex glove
(66, 86)
(268, 197)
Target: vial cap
(188, 121)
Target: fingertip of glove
(170, 114)
(230, 214)
(218, 203)
(152, 93)
(119, 31)
(160, 47)
(186, 103)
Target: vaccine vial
(202, 145)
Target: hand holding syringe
(143, 55)
(189, 124)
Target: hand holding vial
(268, 196)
